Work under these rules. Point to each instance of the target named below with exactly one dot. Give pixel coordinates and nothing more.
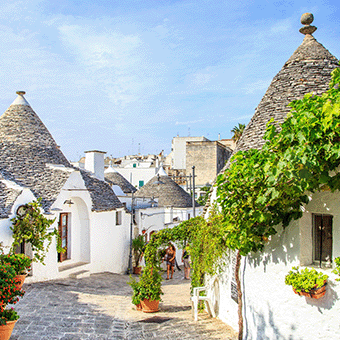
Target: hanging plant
(32, 227)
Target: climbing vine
(265, 188)
(33, 228)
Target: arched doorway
(79, 242)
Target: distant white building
(271, 310)
(178, 149)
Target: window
(141, 183)
(322, 238)
(118, 217)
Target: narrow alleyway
(99, 307)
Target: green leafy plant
(337, 267)
(136, 295)
(150, 284)
(305, 280)
(33, 228)
(202, 200)
(9, 294)
(19, 262)
(8, 315)
(138, 246)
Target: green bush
(305, 280)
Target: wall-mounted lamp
(69, 202)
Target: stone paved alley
(99, 307)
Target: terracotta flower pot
(139, 307)
(6, 330)
(19, 279)
(315, 293)
(137, 270)
(150, 306)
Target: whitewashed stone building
(271, 309)
(93, 223)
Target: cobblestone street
(99, 307)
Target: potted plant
(20, 263)
(136, 297)
(9, 294)
(307, 282)
(150, 289)
(138, 246)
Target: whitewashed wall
(93, 238)
(271, 309)
(109, 242)
(134, 175)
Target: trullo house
(271, 310)
(93, 223)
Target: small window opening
(118, 217)
(322, 239)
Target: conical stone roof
(308, 70)
(168, 192)
(115, 178)
(26, 146)
(30, 157)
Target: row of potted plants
(13, 270)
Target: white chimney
(94, 162)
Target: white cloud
(190, 122)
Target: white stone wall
(271, 309)
(178, 146)
(134, 175)
(109, 242)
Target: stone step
(80, 274)
(70, 266)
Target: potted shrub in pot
(150, 286)
(307, 282)
(136, 296)
(9, 294)
(20, 263)
(138, 246)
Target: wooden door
(63, 232)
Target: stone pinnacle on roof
(20, 100)
(307, 19)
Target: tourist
(185, 260)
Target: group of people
(170, 260)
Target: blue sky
(128, 76)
